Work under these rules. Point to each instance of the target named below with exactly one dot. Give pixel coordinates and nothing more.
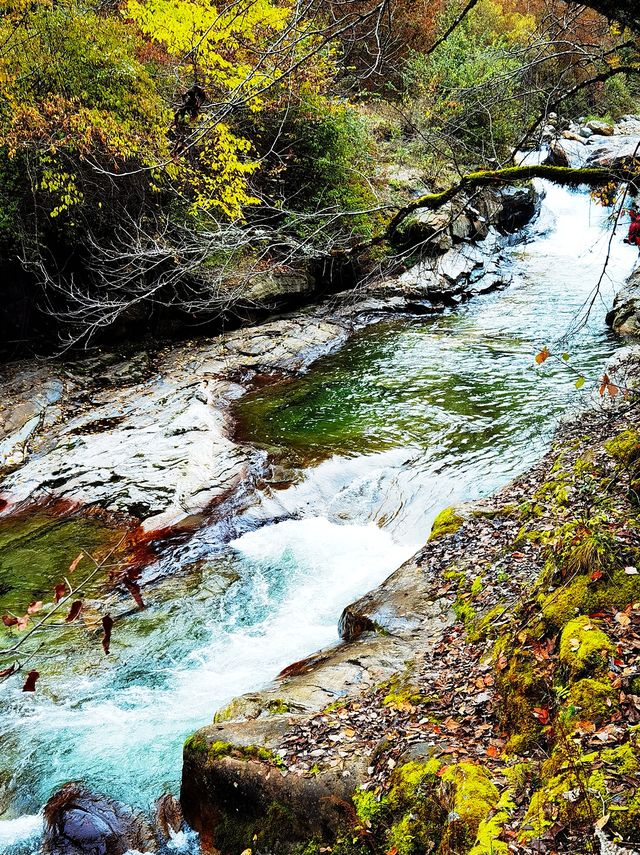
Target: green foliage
(327, 151)
(367, 806)
(477, 55)
(577, 788)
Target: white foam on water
(300, 574)
(20, 834)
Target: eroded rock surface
(156, 448)
(624, 317)
(79, 822)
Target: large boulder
(615, 152)
(624, 317)
(600, 128)
(278, 287)
(510, 209)
(236, 793)
(79, 822)
(426, 228)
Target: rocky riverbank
(485, 697)
(148, 435)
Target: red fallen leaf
(60, 590)
(542, 650)
(518, 555)
(7, 672)
(492, 751)
(34, 607)
(393, 851)
(9, 620)
(107, 626)
(544, 354)
(502, 662)
(607, 387)
(597, 574)
(75, 562)
(542, 714)
(30, 682)
(134, 590)
(74, 611)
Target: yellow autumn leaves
(79, 88)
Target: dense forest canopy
(157, 155)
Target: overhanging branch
(594, 177)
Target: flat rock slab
(158, 449)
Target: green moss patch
(446, 523)
(584, 647)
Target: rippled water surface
(407, 418)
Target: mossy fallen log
(567, 176)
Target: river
(407, 418)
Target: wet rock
(157, 449)
(518, 206)
(599, 128)
(624, 317)
(557, 156)
(169, 818)
(585, 132)
(79, 822)
(25, 406)
(614, 152)
(234, 782)
(233, 793)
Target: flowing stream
(409, 417)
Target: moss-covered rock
(521, 689)
(564, 603)
(475, 797)
(584, 647)
(576, 788)
(410, 817)
(625, 447)
(582, 595)
(590, 700)
(447, 522)
(402, 693)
